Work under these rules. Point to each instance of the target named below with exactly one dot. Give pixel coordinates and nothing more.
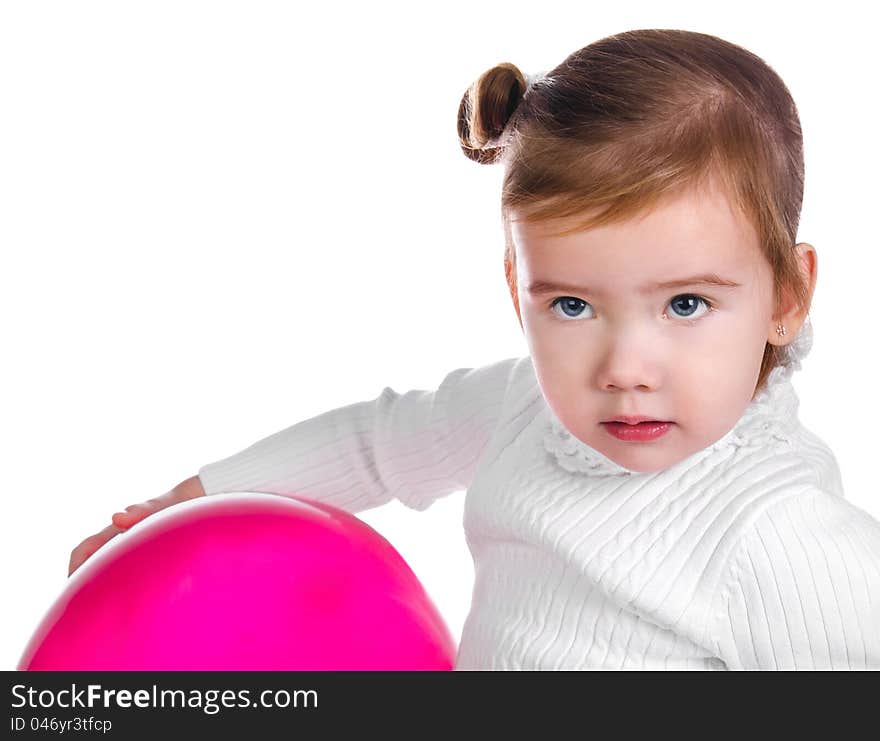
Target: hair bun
(486, 108)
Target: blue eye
(570, 305)
(686, 304)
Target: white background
(220, 218)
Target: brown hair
(635, 117)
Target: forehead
(697, 230)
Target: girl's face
(664, 316)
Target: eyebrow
(540, 287)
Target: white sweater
(743, 556)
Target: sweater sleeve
(415, 447)
(803, 589)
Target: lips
(630, 419)
(644, 431)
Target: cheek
(559, 375)
(554, 370)
(539, 331)
(737, 343)
(720, 380)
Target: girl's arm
(803, 591)
(415, 446)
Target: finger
(134, 513)
(91, 544)
(122, 520)
(84, 550)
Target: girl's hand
(188, 489)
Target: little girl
(640, 492)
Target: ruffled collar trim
(771, 415)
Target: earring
(780, 330)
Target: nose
(628, 362)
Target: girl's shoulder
(801, 587)
(811, 527)
(819, 511)
(818, 456)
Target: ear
(790, 315)
(510, 277)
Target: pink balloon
(244, 581)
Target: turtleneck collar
(772, 414)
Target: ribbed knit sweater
(744, 555)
